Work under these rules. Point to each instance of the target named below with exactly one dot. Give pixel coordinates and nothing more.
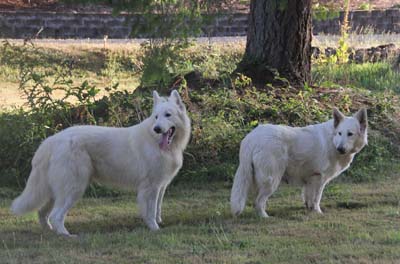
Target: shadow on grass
(133, 222)
(353, 205)
(112, 224)
(87, 60)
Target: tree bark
(278, 40)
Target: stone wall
(374, 54)
(377, 21)
(18, 24)
(63, 25)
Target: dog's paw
(309, 205)
(262, 214)
(153, 226)
(73, 236)
(317, 210)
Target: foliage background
(223, 107)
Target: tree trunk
(278, 40)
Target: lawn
(361, 224)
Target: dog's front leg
(147, 200)
(312, 193)
(318, 195)
(159, 203)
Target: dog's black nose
(341, 150)
(157, 129)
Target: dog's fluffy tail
(36, 192)
(34, 195)
(241, 184)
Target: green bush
(374, 160)
(19, 138)
(162, 63)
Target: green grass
(366, 40)
(361, 224)
(377, 77)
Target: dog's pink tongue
(164, 141)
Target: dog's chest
(169, 163)
(173, 162)
(337, 166)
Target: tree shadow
(15, 56)
(350, 205)
(358, 205)
(112, 224)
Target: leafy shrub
(162, 63)
(376, 158)
(324, 11)
(19, 138)
(365, 6)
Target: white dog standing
(307, 156)
(145, 157)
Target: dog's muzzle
(341, 150)
(157, 129)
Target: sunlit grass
(358, 226)
(358, 41)
(378, 76)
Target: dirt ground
(105, 7)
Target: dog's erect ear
(176, 98)
(337, 117)
(361, 116)
(156, 98)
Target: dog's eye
(349, 134)
(167, 114)
(156, 116)
(340, 133)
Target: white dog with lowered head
(145, 157)
(308, 156)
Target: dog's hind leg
(264, 193)
(267, 185)
(70, 173)
(147, 199)
(44, 214)
(60, 210)
(159, 203)
(307, 195)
